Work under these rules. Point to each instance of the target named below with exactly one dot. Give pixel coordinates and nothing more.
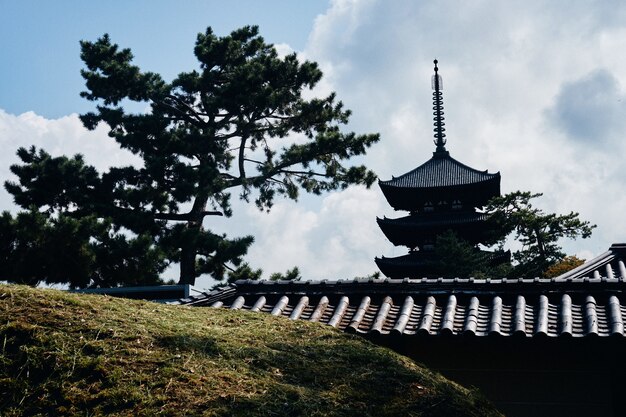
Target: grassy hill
(84, 355)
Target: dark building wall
(568, 377)
(156, 293)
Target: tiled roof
(440, 171)
(447, 314)
(440, 179)
(608, 265)
(588, 301)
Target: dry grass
(85, 355)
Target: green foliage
(537, 231)
(290, 275)
(81, 252)
(78, 355)
(458, 258)
(228, 125)
(244, 271)
(564, 265)
(373, 275)
(52, 184)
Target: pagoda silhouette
(440, 195)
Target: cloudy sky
(533, 89)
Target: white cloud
(509, 69)
(338, 240)
(283, 49)
(63, 136)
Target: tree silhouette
(239, 122)
(537, 231)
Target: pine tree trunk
(540, 247)
(187, 264)
(188, 250)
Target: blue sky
(533, 89)
(39, 40)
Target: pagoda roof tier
(441, 178)
(413, 265)
(411, 230)
(424, 263)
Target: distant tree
(79, 252)
(292, 274)
(564, 265)
(458, 258)
(373, 275)
(244, 271)
(537, 231)
(228, 125)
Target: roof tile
(440, 172)
(587, 301)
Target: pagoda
(546, 347)
(441, 194)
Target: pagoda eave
(405, 267)
(425, 263)
(413, 234)
(414, 198)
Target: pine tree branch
(242, 147)
(188, 107)
(184, 116)
(301, 173)
(185, 216)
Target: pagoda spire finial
(440, 136)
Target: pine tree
(537, 231)
(229, 125)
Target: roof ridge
(589, 266)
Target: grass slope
(69, 354)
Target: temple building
(441, 194)
(534, 346)
(541, 347)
